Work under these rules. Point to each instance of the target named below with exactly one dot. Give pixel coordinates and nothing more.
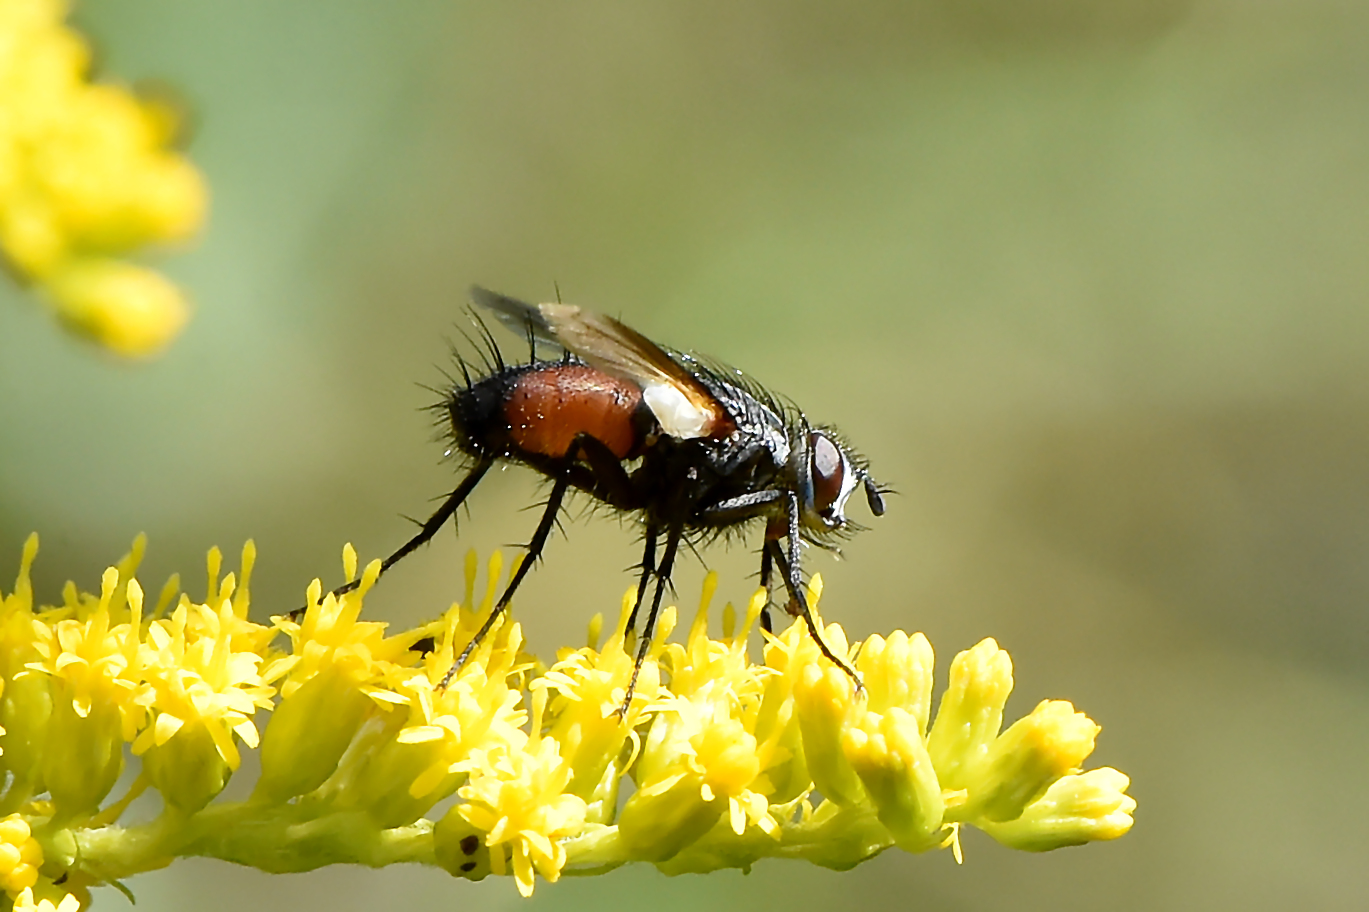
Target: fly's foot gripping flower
(718, 761)
(87, 176)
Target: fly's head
(827, 472)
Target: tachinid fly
(693, 448)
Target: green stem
(274, 838)
(287, 838)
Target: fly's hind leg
(603, 463)
(426, 533)
(648, 568)
(672, 545)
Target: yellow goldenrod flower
(477, 716)
(519, 798)
(200, 693)
(26, 699)
(86, 175)
(92, 661)
(702, 762)
(332, 683)
(586, 688)
(724, 761)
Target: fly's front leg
(767, 568)
(798, 601)
(535, 546)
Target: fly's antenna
(874, 494)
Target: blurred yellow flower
(86, 175)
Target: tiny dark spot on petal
(470, 844)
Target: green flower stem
(288, 838)
(273, 838)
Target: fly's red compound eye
(829, 472)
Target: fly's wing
(682, 405)
(519, 316)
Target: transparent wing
(522, 318)
(683, 406)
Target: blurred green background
(1085, 279)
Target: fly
(692, 448)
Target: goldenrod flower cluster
(86, 176)
(717, 761)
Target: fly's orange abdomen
(547, 408)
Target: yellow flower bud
(30, 234)
(383, 785)
(188, 769)
(897, 672)
(126, 308)
(1076, 809)
(660, 820)
(970, 714)
(84, 754)
(63, 902)
(1022, 762)
(25, 708)
(308, 733)
(889, 755)
(20, 855)
(171, 198)
(824, 703)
